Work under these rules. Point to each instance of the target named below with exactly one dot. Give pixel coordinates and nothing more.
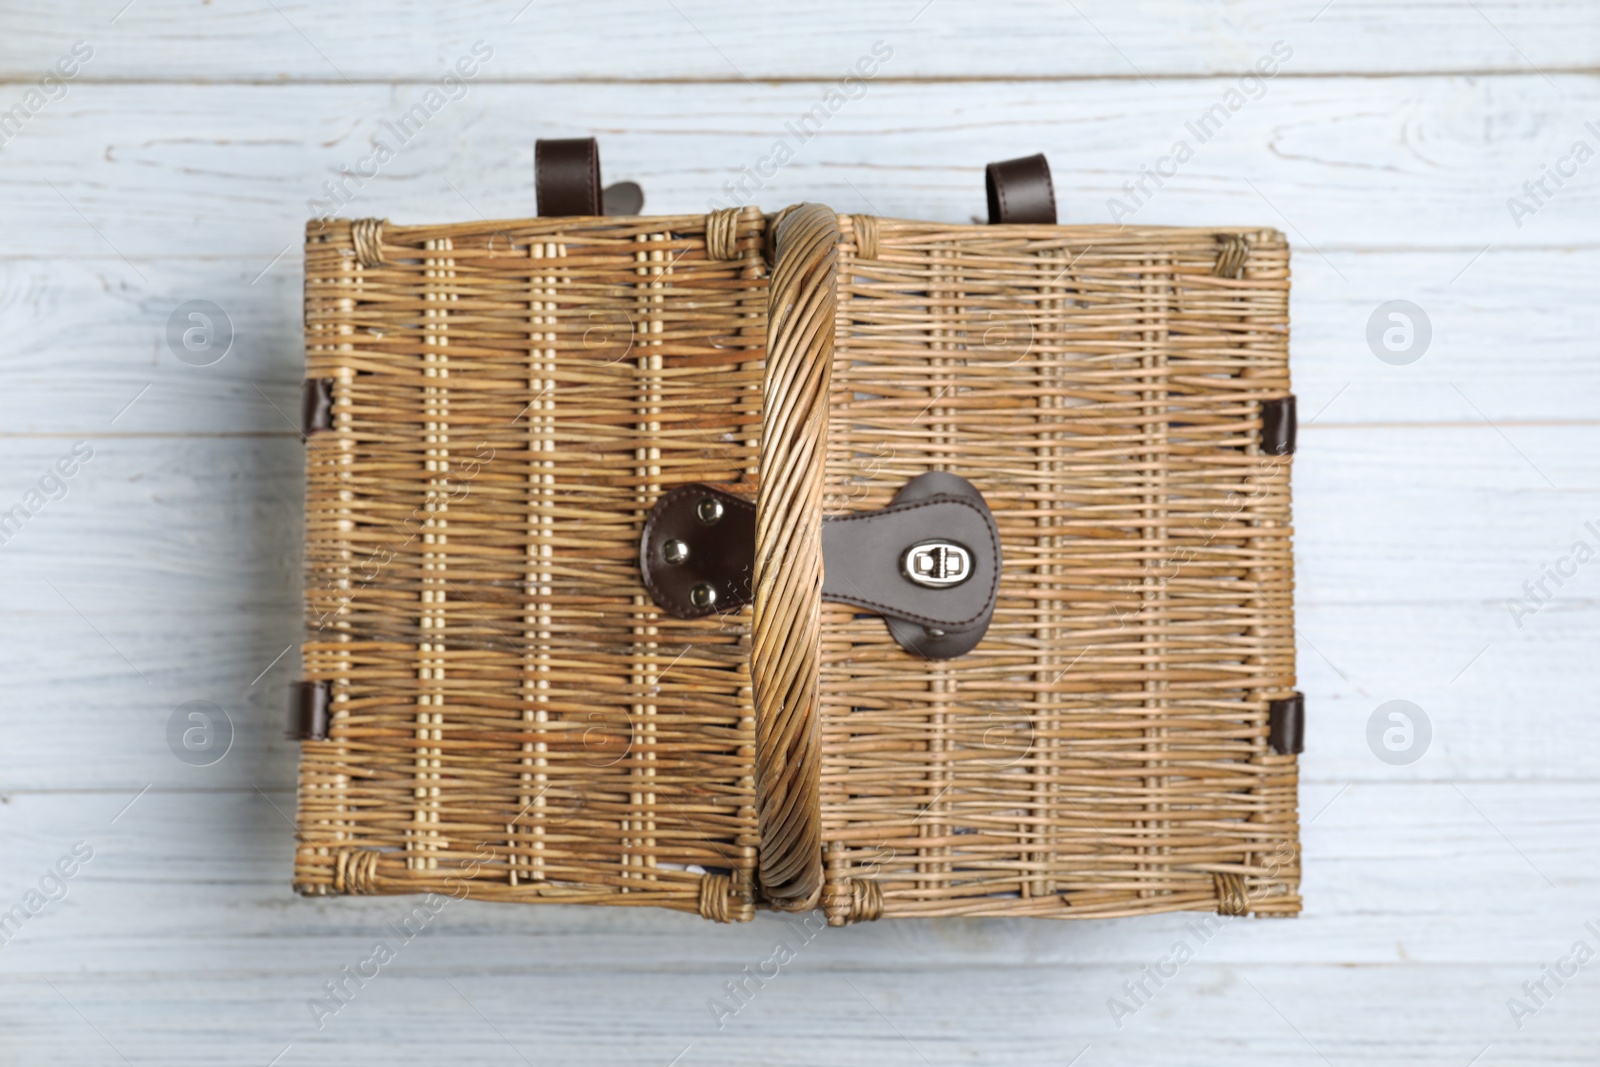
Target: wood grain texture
(698, 40)
(193, 141)
(1336, 163)
(202, 874)
(90, 335)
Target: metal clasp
(937, 564)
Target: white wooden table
(179, 163)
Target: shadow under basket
(496, 705)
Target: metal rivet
(709, 510)
(703, 596)
(674, 552)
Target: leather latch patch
(929, 563)
(698, 552)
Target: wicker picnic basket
(603, 515)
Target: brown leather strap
(566, 177)
(1280, 426)
(309, 711)
(1020, 190)
(1286, 724)
(316, 406)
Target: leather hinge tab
(566, 177)
(698, 552)
(566, 181)
(1020, 191)
(1280, 426)
(1286, 725)
(308, 711)
(316, 406)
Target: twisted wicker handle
(784, 661)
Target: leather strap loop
(1020, 191)
(1286, 724)
(566, 177)
(1280, 426)
(309, 711)
(316, 406)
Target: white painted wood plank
(1209, 1015)
(1422, 919)
(1387, 515)
(87, 348)
(169, 40)
(1212, 1016)
(1516, 335)
(1433, 891)
(186, 525)
(1339, 163)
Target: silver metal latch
(937, 564)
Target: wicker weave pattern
(784, 659)
(1104, 750)
(512, 717)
